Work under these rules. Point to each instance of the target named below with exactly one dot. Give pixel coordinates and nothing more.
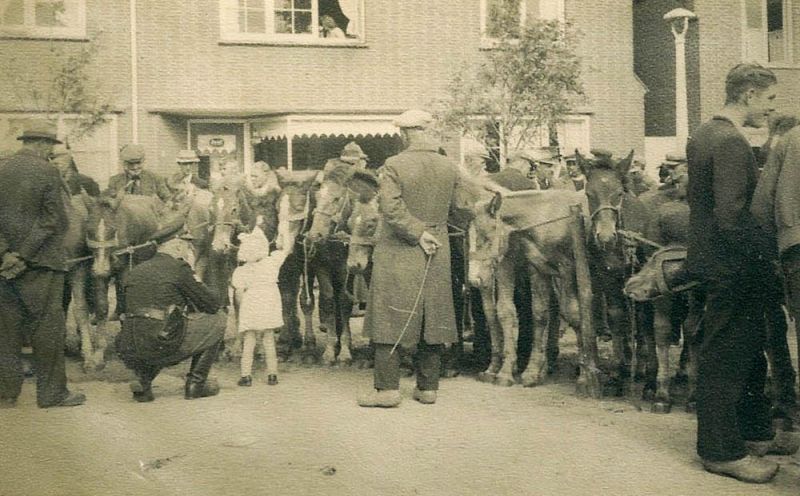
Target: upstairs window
(43, 18)
(767, 31)
(292, 21)
(505, 17)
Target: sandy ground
(307, 436)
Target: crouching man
(158, 332)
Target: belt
(147, 313)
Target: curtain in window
(351, 8)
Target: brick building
(276, 80)
(725, 33)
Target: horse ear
(494, 204)
(624, 165)
(583, 164)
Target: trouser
(249, 348)
(731, 405)
(201, 343)
(31, 305)
(427, 364)
(783, 374)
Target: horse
(613, 210)
(537, 226)
(329, 234)
(296, 277)
(118, 234)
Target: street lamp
(678, 20)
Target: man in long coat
(32, 226)
(410, 302)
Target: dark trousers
(201, 343)
(731, 405)
(427, 364)
(31, 305)
(783, 374)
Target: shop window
(767, 28)
(292, 21)
(43, 18)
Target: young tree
(61, 85)
(526, 83)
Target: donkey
(534, 225)
(613, 209)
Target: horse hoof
(691, 407)
(309, 360)
(661, 407)
(531, 381)
(488, 377)
(648, 394)
(450, 373)
(504, 381)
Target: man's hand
(429, 243)
(12, 265)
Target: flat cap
(601, 152)
(414, 118)
(185, 156)
(39, 129)
(132, 153)
(352, 151)
(675, 157)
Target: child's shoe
(246, 381)
(272, 380)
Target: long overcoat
(417, 188)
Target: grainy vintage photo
(399, 247)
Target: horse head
(606, 188)
(230, 214)
(295, 204)
(333, 202)
(364, 220)
(488, 240)
(102, 237)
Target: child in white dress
(258, 301)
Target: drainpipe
(134, 77)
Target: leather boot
(784, 443)
(387, 398)
(199, 389)
(197, 385)
(747, 469)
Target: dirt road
(306, 436)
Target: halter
(617, 209)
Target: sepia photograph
(399, 247)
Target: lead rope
(416, 304)
(306, 282)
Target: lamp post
(678, 20)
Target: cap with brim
(601, 152)
(186, 157)
(39, 130)
(132, 153)
(414, 119)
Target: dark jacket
(512, 179)
(417, 189)
(776, 202)
(148, 184)
(724, 237)
(33, 219)
(157, 284)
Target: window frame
(30, 30)
(788, 45)
(269, 37)
(490, 42)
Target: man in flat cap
(135, 179)
(32, 226)
(475, 158)
(411, 258)
(186, 177)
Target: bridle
(617, 209)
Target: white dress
(261, 300)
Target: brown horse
(613, 209)
(534, 225)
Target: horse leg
(101, 314)
(692, 337)
(307, 306)
(327, 314)
(648, 332)
(662, 330)
(553, 329)
(541, 294)
(507, 316)
(289, 288)
(495, 334)
(345, 310)
(72, 343)
(619, 329)
(80, 311)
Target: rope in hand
(416, 304)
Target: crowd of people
(744, 233)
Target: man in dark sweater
(159, 327)
(731, 255)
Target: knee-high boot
(197, 385)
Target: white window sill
(21, 35)
(321, 43)
(782, 66)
